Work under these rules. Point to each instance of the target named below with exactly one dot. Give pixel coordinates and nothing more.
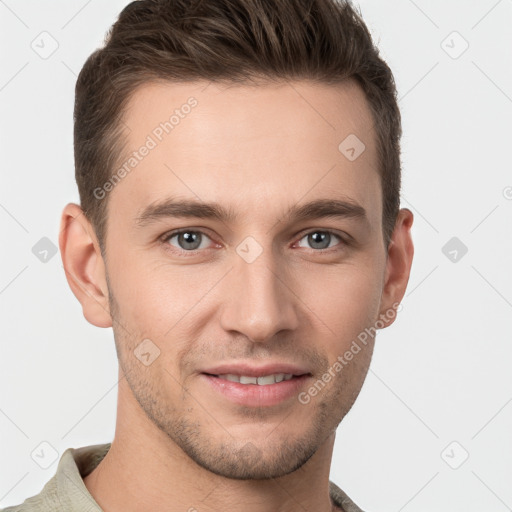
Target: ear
(84, 266)
(398, 266)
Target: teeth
(264, 380)
(268, 379)
(248, 380)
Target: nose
(261, 303)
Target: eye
(320, 239)
(187, 240)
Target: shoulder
(46, 500)
(341, 499)
(66, 491)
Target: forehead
(249, 145)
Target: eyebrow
(317, 209)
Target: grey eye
(187, 240)
(319, 239)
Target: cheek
(345, 301)
(156, 296)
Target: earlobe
(84, 266)
(398, 266)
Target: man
(238, 166)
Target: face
(246, 250)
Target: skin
(180, 444)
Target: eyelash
(166, 237)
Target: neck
(144, 470)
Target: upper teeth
(262, 381)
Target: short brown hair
(235, 41)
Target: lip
(254, 395)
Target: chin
(253, 463)
(251, 452)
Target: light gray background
(440, 374)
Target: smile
(263, 380)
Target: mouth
(261, 380)
(256, 387)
